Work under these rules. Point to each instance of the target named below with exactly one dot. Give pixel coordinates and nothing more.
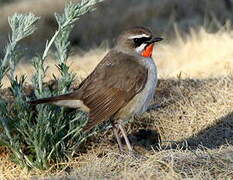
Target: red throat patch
(148, 51)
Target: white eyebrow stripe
(139, 36)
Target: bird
(121, 86)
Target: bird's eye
(136, 40)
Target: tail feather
(70, 100)
(41, 101)
(51, 99)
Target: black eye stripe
(139, 41)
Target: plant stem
(50, 44)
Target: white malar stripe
(140, 48)
(72, 104)
(139, 36)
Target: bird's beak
(156, 39)
(147, 52)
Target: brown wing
(114, 82)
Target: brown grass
(200, 55)
(194, 118)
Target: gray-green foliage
(38, 136)
(21, 26)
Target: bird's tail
(70, 100)
(51, 100)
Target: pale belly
(142, 100)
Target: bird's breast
(142, 100)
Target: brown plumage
(110, 86)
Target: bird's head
(138, 41)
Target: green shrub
(45, 134)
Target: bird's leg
(126, 138)
(117, 138)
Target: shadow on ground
(214, 136)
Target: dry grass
(194, 119)
(171, 164)
(200, 55)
